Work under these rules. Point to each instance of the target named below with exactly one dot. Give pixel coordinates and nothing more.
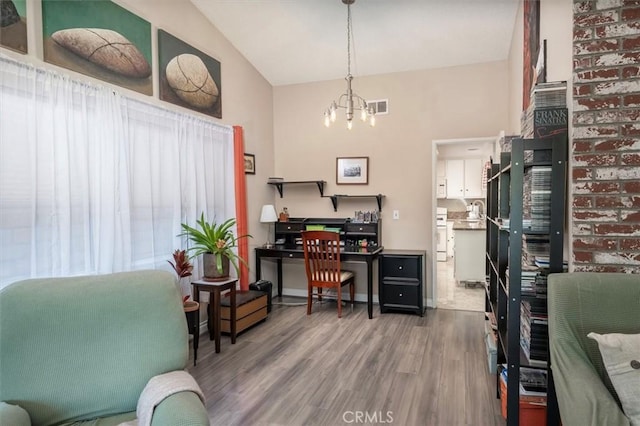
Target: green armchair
(580, 303)
(84, 348)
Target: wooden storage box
(251, 307)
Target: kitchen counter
(463, 225)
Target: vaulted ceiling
(300, 41)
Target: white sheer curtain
(94, 182)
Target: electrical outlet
(396, 214)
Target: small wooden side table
(215, 289)
(192, 311)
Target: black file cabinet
(401, 281)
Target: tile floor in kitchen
(453, 295)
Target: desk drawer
(362, 228)
(294, 255)
(401, 266)
(288, 227)
(400, 294)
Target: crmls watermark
(367, 417)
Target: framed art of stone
(99, 39)
(352, 170)
(188, 77)
(13, 25)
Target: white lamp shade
(268, 214)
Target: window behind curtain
(94, 182)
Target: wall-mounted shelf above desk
(336, 197)
(280, 184)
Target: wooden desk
(347, 254)
(215, 288)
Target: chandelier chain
(348, 39)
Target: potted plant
(183, 269)
(216, 243)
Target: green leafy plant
(217, 239)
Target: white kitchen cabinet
(455, 178)
(441, 179)
(441, 187)
(473, 178)
(464, 178)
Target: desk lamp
(268, 215)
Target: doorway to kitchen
(458, 204)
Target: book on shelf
(550, 122)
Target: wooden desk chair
(322, 262)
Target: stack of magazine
(533, 384)
(534, 331)
(549, 95)
(548, 100)
(536, 202)
(533, 247)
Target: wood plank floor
(400, 369)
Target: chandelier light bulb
(363, 114)
(327, 119)
(372, 121)
(349, 124)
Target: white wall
(451, 103)
(283, 125)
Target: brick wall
(606, 136)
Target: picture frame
(352, 170)
(72, 32)
(249, 164)
(14, 29)
(188, 77)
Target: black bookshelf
(513, 218)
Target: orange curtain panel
(241, 204)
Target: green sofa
(580, 303)
(81, 350)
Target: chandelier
(350, 101)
